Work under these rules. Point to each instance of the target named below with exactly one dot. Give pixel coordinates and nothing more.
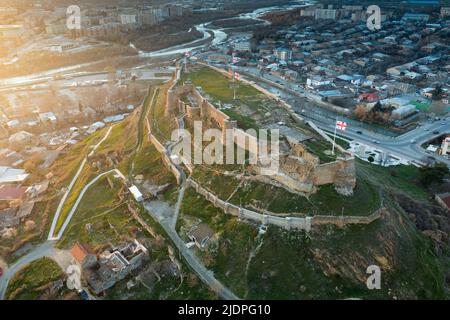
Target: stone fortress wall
(299, 223)
(299, 170)
(166, 158)
(280, 220)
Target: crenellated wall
(299, 223)
(200, 110)
(165, 158)
(299, 170)
(229, 208)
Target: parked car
(83, 294)
(359, 132)
(262, 229)
(435, 132)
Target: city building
(445, 148)
(137, 195)
(114, 265)
(416, 17)
(445, 12)
(201, 234)
(444, 200)
(127, 19)
(326, 14)
(243, 46)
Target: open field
(399, 178)
(249, 105)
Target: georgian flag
(341, 125)
(235, 59)
(187, 54)
(237, 76)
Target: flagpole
(334, 138)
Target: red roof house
(10, 193)
(369, 97)
(444, 200)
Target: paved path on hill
(193, 261)
(45, 249)
(80, 197)
(72, 183)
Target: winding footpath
(194, 262)
(45, 249)
(80, 197)
(72, 183)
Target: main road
(407, 146)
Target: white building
(8, 175)
(136, 193)
(243, 46)
(128, 19)
(326, 14)
(446, 146)
(317, 81)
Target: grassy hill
(33, 281)
(327, 263)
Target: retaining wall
(288, 223)
(165, 158)
(229, 208)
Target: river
(219, 35)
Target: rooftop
(8, 174)
(8, 193)
(79, 252)
(445, 197)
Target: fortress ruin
(300, 171)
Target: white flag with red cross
(341, 125)
(237, 76)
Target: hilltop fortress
(299, 170)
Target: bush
(433, 174)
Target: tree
(433, 174)
(437, 93)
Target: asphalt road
(406, 146)
(205, 275)
(45, 249)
